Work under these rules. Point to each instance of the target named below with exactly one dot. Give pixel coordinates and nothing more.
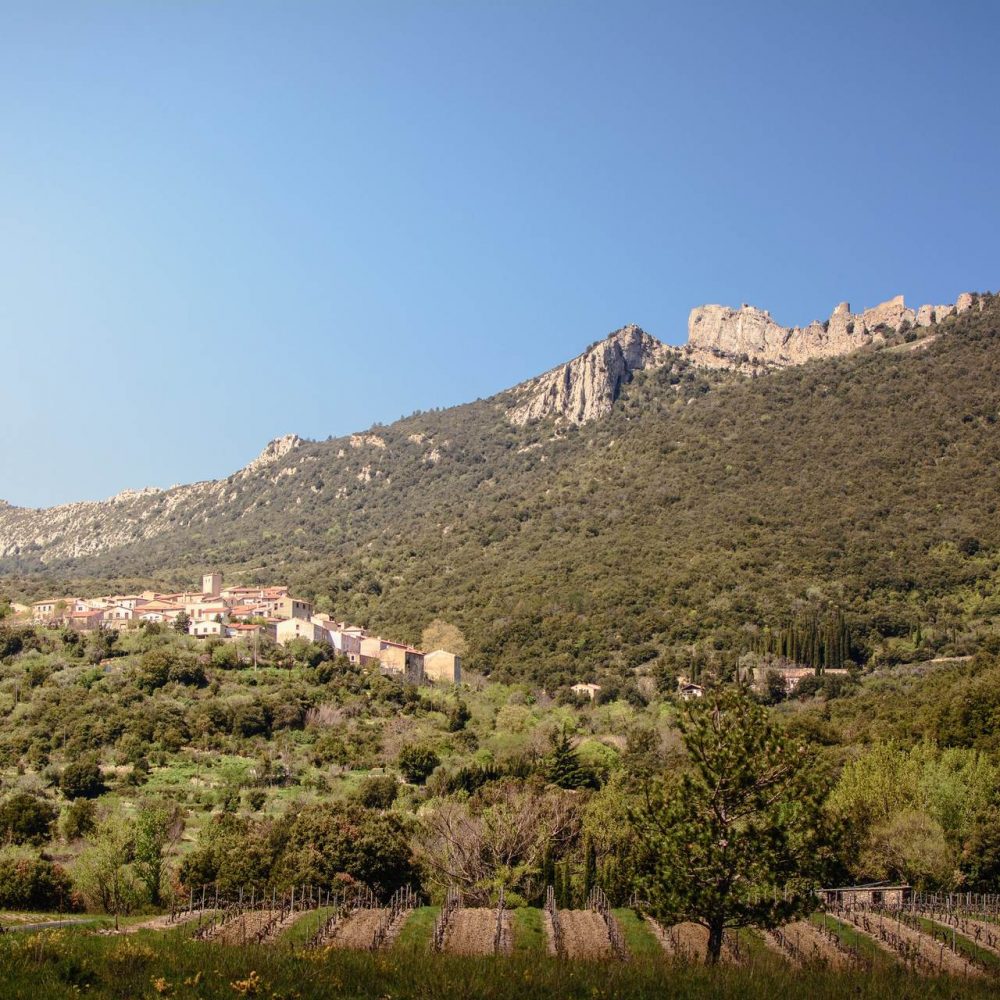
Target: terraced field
(358, 930)
(471, 931)
(585, 935)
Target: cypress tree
(548, 870)
(564, 768)
(589, 868)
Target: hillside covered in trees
(708, 515)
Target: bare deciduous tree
(497, 838)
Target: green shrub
(34, 884)
(26, 819)
(417, 762)
(78, 819)
(82, 779)
(378, 791)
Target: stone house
(118, 616)
(87, 620)
(791, 674)
(395, 658)
(590, 690)
(871, 895)
(347, 642)
(688, 691)
(288, 607)
(52, 608)
(159, 611)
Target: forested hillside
(705, 508)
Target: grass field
(529, 932)
(416, 933)
(70, 963)
(641, 941)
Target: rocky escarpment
(587, 387)
(745, 340)
(748, 338)
(274, 452)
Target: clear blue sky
(225, 221)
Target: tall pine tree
(739, 840)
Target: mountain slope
(702, 507)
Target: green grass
(642, 942)
(528, 927)
(64, 964)
(755, 952)
(303, 929)
(416, 933)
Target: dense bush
(314, 845)
(34, 884)
(78, 819)
(26, 819)
(416, 763)
(378, 791)
(82, 779)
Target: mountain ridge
(582, 390)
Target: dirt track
(585, 935)
(470, 931)
(160, 923)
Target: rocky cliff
(587, 387)
(745, 340)
(748, 338)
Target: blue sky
(225, 221)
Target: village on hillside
(229, 613)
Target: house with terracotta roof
(118, 616)
(245, 630)
(207, 629)
(395, 658)
(87, 620)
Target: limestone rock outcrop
(273, 452)
(748, 338)
(586, 387)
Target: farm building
(874, 894)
